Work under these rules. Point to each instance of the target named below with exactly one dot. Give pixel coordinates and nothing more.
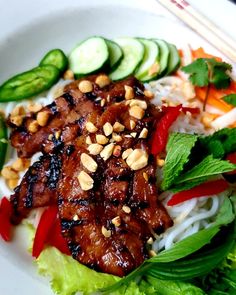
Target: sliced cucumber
(115, 53)
(174, 59)
(164, 56)
(133, 54)
(57, 58)
(89, 56)
(149, 68)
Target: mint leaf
(205, 169)
(198, 71)
(231, 99)
(178, 148)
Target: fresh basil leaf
(231, 99)
(197, 264)
(178, 150)
(198, 240)
(226, 137)
(205, 169)
(174, 287)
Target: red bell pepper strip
(160, 136)
(5, 219)
(56, 239)
(232, 159)
(183, 109)
(49, 232)
(204, 189)
(43, 230)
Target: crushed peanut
(107, 129)
(88, 162)
(88, 140)
(160, 162)
(18, 111)
(21, 164)
(126, 209)
(148, 94)
(68, 75)
(129, 92)
(107, 151)
(136, 112)
(34, 107)
(152, 253)
(106, 232)
(9, 173)
(118, 127)
(143, 133)
(108, 98)
(16, 120)
(117, 151)
(50, 136)
(57, 134)
(75, 217)
(138, 102)
(116, 137)
(150, 241)
(85, 86)
(116, 221)
(132, 124)
(12, 183)
(126, 153)
(102, 81)
(103, 101)
(137, 159)
(101, 139)
(145, 176)
(85, 181)
(33, 126)
(133, 134)
(42, 118)
(95, 148)
(91, 127)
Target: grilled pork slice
(72, 107)
(52, 143)
(37, 188)
(108, 203)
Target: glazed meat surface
(71, 107)
(103, 179)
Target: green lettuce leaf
(174, 287)
(178, 150)
(68, 276)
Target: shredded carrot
(200, 53)
(180, 53)
(214, 98)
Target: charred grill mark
(57, 143)
(70, 149)
(53, 171)
(68, 224)
(69, 98)
(53, 108)
(91, 96)
(32, 179)
(138, 91)
(75, 249)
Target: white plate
(24, 49)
